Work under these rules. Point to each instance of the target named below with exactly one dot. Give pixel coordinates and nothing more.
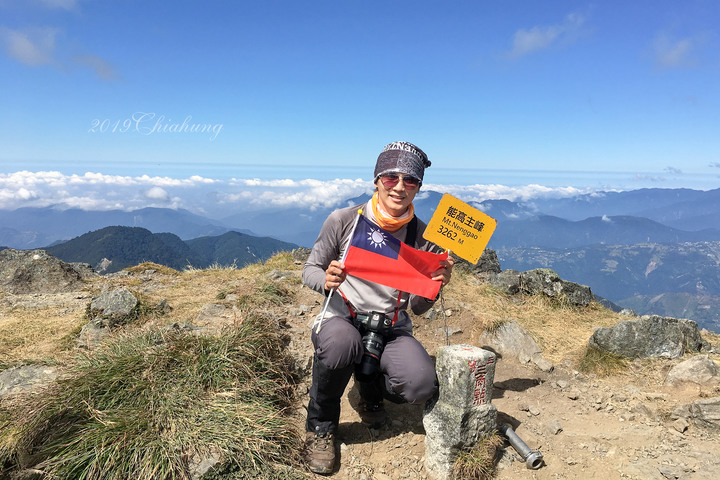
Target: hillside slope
(609, 427)
(111, 249)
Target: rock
(546, 281)
(541, 281)
(36, 271)
(644, 410)
(680, 425)
(279, 275)
(544, 365)
(85, 270)
(488, 262)
(553, 427)
(650, 336)
(486, 266)
(507, 281)
(91, 335)
(705, 413)
(25, 378)
(512, 340)
(672, 472)
(700, 370)
(113, 308)
(607, 303)
(200, 464)
(300, 255)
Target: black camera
(373, 327)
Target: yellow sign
(458, 227)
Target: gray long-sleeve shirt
(365, 296)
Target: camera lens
(374, 344)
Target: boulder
(300, 255)
(512, 340)
(545, 280)
(541, 281)
(36, 271)
(113, 308)
(507, 281)
(91, 335)
(25, 379)
(699, 370)
(704, 413)
(650, 336)
(488, 264)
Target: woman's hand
(334, 275)
(445, 271)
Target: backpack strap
(411, 233)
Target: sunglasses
(391, 179)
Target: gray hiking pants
(407, 369)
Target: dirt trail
(586, 427)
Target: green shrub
(146, 405)
(478, 462)
(601, 362)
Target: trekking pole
(442, 306)
(317, 325)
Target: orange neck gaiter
(387, 221)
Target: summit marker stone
(462, 411)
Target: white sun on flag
(376, 238)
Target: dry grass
(601, 362)
(37, 335)
(143, 404)
(478, 462)
(44, 335)
(145, 266)
(561, 330)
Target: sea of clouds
(217, 198)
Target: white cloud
(674, 53)
(542, 37)
(219, 198)
(37, 46)
(285, 193)
(102, 68)
(607, 219)
(33, 47)
(480, 193)
(157, 193)
(639, 177)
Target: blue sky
(180, 103)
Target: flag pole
(317, 325)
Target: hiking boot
(373, 414)
(319, 452)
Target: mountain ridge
(113, 248)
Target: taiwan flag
(375, 255)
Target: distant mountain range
(675, 279)
(27, 228)
(580, 237)
(623, 218)
(111, 249)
